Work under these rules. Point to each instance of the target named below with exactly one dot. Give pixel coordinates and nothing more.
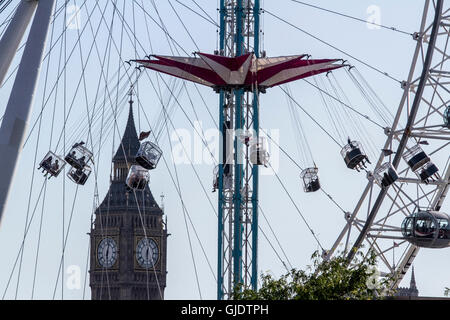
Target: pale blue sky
(384, 49)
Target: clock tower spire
(129, 234)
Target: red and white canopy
(245, 71)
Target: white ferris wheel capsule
(427, 228)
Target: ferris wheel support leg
(13, 127)
(14, 34)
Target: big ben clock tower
(129, 235)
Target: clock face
(147, 253)
(107, 252)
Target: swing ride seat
(389, 178)
(428, 171)
(416, 158)
(52, 164)
(138, 178)
(354, 157)
(259, 157)
(310, 179)
(79, 176)
(148, 155)
(78, 156)
(313, 186)
(258, 152)
(386, 175)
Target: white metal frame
(425, 97)
(15, 120)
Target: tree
(332, 279)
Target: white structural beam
(14, 125)
(14, 33)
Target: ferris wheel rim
(412, 250)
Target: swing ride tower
(238, 178)
(238, 74)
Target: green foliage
(333, 279)
(447, 292)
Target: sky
(67, 211)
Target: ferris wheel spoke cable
(192, 165)
(203, 10)
(105, 60)
(300, 167)
(178, 189)
(276, 239)
(119, 76)
(96, 201)
(171, 39)
(71, 217)
(333, 46)
(7, 20)
(206, 18)
(114, 106)
(273, 248)
(135, 196)
(30, 193)
(170, 43)
(353, 18)
(296, 207)
(95, 167)
(56, 83)
(189, 120)
(86, 271)
(206, 106)
(177, 186)
(66, 236)
(22, 244)
(162, 28)
(184, 26)
(80, 81)
(13, 70)
(36, 261)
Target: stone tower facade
(412, 291)
(128, 259)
